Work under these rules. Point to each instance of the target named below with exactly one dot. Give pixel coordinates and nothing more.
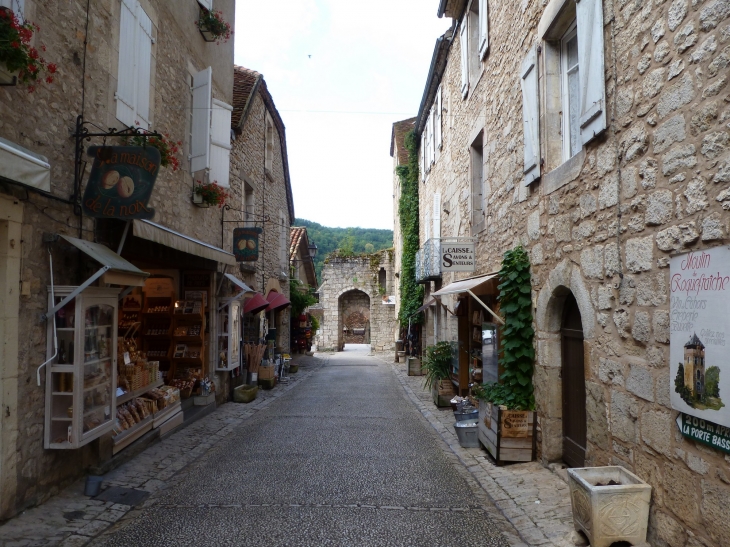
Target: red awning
(255, 304)
(277, 301)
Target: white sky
(368, 67)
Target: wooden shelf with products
(188, 336)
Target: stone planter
(414, 366)
(508, 435)
(245, 393)
(609, 512)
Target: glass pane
(490, 349)
(235, 334)
(574, 111)
(97, 374)
(572, 47)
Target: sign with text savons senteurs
(699, 351)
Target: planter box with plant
(213, 27)
(437, 368)
(209, 194)
(19, 61)
(507, 415)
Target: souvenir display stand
(229, 337)
(81, 379)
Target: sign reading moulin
(699, 324)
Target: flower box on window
(212, 26)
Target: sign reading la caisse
(699, 325)
(459, 257)
(121, 182)
(246, 244)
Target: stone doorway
(354, 318)
(574, 385)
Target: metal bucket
(467, 414)
(467, 433)
(92, 487)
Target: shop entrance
(354, 318)
(574, 387)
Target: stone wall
(42, 122)
(655, 183)
(344, 276)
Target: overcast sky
(340, 72)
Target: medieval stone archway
(564, 283)
(354, 318)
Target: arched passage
(353, 312)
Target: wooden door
(574, 387)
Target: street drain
(73, 515)
(126, 496)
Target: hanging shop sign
(699, 327)
(246, 244)
(696, 429)
(459, 257)
(121, 182)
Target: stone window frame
(478, 213)
(247, 201)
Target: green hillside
(357, 240)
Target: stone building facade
(90, 81)
(645, 176)
(353, 288)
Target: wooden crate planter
(442, 393)
(501, 439)
(414, 367)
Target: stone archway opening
(354, 319)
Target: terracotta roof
(397, 139)
(298, 237)
(296, 234)
(244, 83)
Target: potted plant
(610, 504)
(437, 367)
(209, 194)
(167, 147)
(19, 61)
(213, 27)
(507, 415)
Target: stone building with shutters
(120, 63)
(595, 134)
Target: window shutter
(17, 7)
(427, 226)
(200, 146)
(127, 73)
(530, 116)
(463, 39)
(423, 155)
(428, 143)
(207, 4)
(589, 16)
(144, 67)
(220, 143)
(439, 131)
(483, 29)
(432, 124)
(437, 215)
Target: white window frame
(566, 130)
(220, 143)
(207, 4)
(16, 6)
(202, 110)
(438, 124)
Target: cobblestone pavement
(534, 499)
(281, 471)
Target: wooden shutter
(207, 4)
(483, 29)
(422, 150)
(437, 215)
(144, 67)
(530, 116)
(589, 17)
(439, 131)
(127, 73)
(220, 143)
(432, 131)
(427, 227)
(464, 44)
(200, 146)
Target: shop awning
(277, 301)
(118, 270)
(465, 285)
(468, 286)
(255, 304)
(21, 165)
(426, 306)
(186, 244)
(242, 289)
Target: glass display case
(229, 337)
(81, 378)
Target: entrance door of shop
(574, 386)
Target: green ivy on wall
(411, 293)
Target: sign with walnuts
(246, 244)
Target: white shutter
(464, 43)
(589, 16)
(127, 73)
(432, 124)
(428, 143)
(439, 131)
(437, 215)
(423, 155)
(17, 6)
(530, 116)
(207, 4)
(427, 227)
(220, 143)
(144, 67)
(483, 29)
(200, 146)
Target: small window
(570, 93)
(269, 152)
(247, 204)
(382, 277)
(476, 156)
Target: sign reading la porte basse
(458, 257)
(699, 330)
